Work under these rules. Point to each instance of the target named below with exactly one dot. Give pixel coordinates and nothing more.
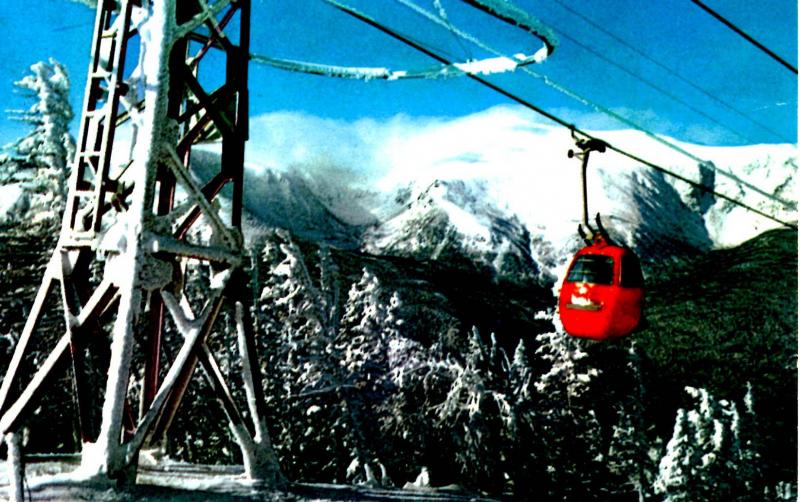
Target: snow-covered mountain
(449, 220)
(498, 187)
(284, 199)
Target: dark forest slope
(721, 320)
(718, 321)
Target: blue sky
(677, 33)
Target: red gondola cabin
(601, 297)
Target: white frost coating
(169, 244)
(191, 329)
(512, 14)
(488, 66)
(15, 469)
(507, 12)
(196, 195)
(521, 59)
(358, 73)
(260, 462)
(207, 13)
(157, 33)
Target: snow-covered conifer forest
(406, 327)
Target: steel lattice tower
(132, 235)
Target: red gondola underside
(601, 297)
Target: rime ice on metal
(138, 213)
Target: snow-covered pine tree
(301, 384)
(568, 438)
(675, 477)
(477, 414)
(752, 467)
(329, 373)
(704, 456)
(519, 373)
(43, 155)
(418, 378)
(329, 288)
(522, 456)
(783, 491)
(368, 329)
(629, 452)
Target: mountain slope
(522, 162)
(492, 184)
(277, 199)
(720, 321)
(455, 220)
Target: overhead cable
(672, 72)
(649, 83)
(587, 102)
(513, 15)
(509, 13)
(744, 35)
(503, 10)
(485, 66)
(443, 14)
(432, 54)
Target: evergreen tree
(629, 451)
(704, 458)
(43, 156)
(569, 439)
(751, 471)
(302, 381)
(522, 436)
(368, 328)
(476, 411)
(418, 379)
(675, 475)
(329, 364)
(781, 491)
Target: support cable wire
(368, 73)
(744, 35)
(587, 102)
(437, 4)
(649, 83)
(430, 53)
(485, 66)
(672, 72)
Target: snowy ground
(184, 482)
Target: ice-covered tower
(142, 242)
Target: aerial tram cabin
(601, 297)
